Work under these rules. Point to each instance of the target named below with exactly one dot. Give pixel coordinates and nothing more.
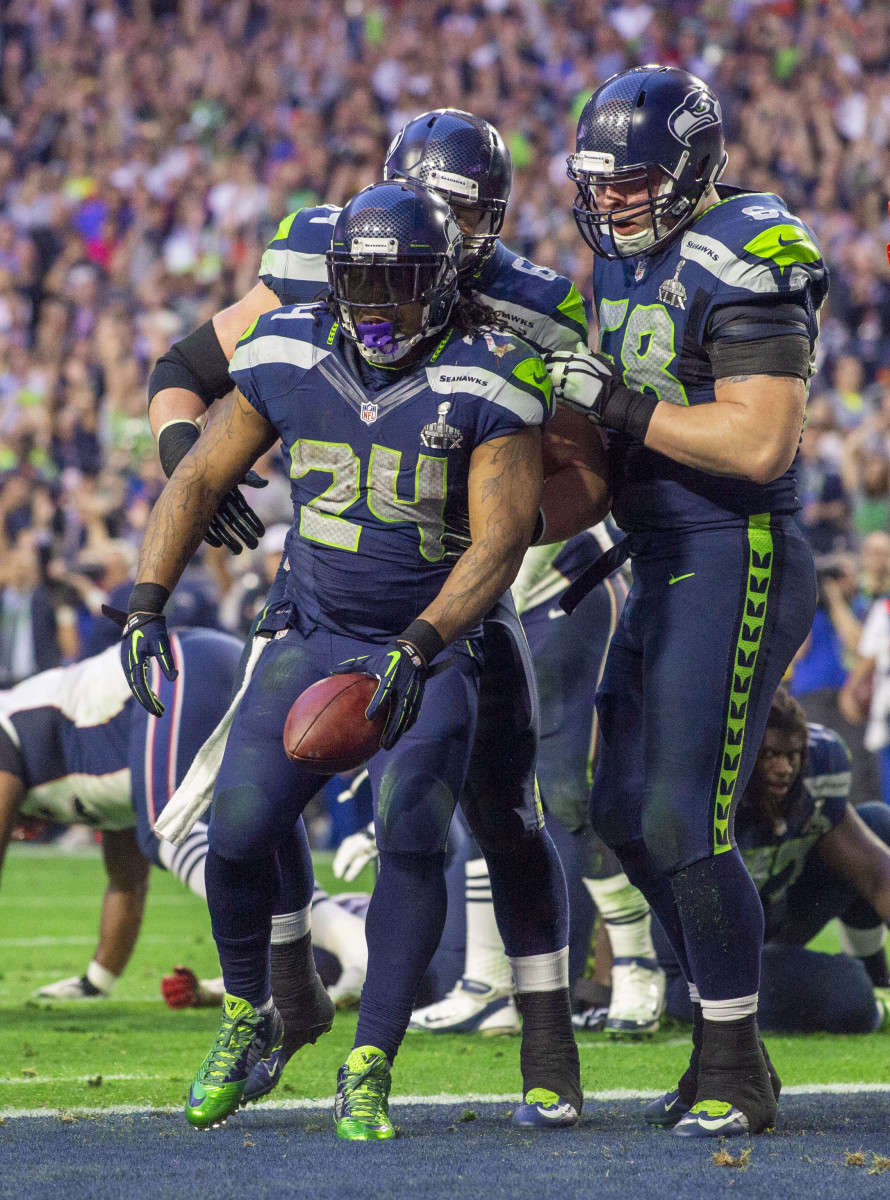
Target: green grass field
(145, 1054)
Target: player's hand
(144, 637)
(402, 671)
(354, 853)
(180, 990)
(582, 380)
(235, 522)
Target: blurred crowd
(149, 148)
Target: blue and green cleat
(542, 1109)
(713, 1118)
(245, 1038)
(307, 1017)
(361, 1107)
(666, 1111)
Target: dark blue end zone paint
(611, 1155)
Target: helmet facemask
(667, 209)
(387, 306)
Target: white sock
(187, 861)
(339, 931)
(486, 959)
(626, 914)
(290, 927)
(729, 1010)
(101, 978)
(862, 943)
(541, 972)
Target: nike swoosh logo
(677, 578)
(668, 1107)
(536, 378)
(555, 1114)
(394, 657)
(790, 241)
(553, 613)
(715, 1123)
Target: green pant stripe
(760, 559)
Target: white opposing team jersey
(70, 727)
(547, 571)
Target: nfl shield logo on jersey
(369, 412)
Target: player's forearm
(178, 523)
(480, 578)
(731, 436)
(505, 494)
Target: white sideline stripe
(443, 1099)
(155, 939)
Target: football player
(413, 439)
(75, 748)
(467, 162)
(813, 857)
(707, 299)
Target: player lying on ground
(75, 748)
(384, 588)
(707, 301)
(813, 858)
(466, 161)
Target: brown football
(326, 730)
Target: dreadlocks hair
(786, 715)
(468, 315)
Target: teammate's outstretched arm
(236, 435)
(184, 383)
(577, 490)
(858, 855)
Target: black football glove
(235, 521)
(144, 638)
(591, 384)
(402, 671)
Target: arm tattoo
(508, 495)
(215, 464)
(732, 379)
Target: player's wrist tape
(148, 598)
(540, 528)
(628, 411)
(175, 440)
(196, 363)
(423, 637)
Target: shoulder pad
(753, 245)
(296, 335)
(543, 305)
(827, 752)
(293, 265)
(499, 366)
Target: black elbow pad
(196, 363)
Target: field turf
(72, 1061)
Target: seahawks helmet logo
(698, 111)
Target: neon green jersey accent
(284, 228)
(785, 245)
(573, 307)
(249, 330)
(760, 558)
(533, 373)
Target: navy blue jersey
(776, 859)
(657, 317)
(541, 306)
(379, 469)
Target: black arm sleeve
(763, 338)
(197, 363)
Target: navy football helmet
(467, 162)
(393, 266)
(660, 128)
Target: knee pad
(239, 828)
(413, 815)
